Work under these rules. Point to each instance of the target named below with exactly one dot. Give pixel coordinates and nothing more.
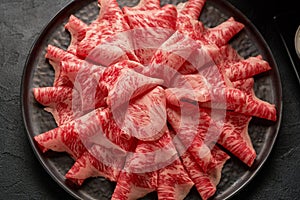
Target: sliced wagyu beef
(77, 29)
(173, 182)
(149, 97)
(150, 28)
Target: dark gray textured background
(22, 176)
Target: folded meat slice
(188, 87)
(151, 156)
(102, 44)
(140, 174)
(150, 28)
(197, 89)
(221, 34)
(247, 68)
(77, 29)
(190, 9)
(254, 106)
(56, 56)
(164, 17)
(173, 182)
(235, 137)
(133, 186)
(121, 83)
(66, 137)
(58, 101)
(84, 77)
(167, 60)
(227, 55)
(109, 148)
(144, 117)
(205, 182)
(191, 128)
(88, 166)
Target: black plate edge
(239, 17)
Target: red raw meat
(150, 28)
(134, 186)
(188, 87)
(235, 137)
(95, 46)
(56, 56)
(190, 9)
(106, 132)
(121, 83)
(247, 68)
(145, 116)
(205, 182)
(173, 182)
(62, 139)
(58, 101)
(191, 130)
(226, 56)
(254, 106)
(106, 157)
(140, 175)
(77, 29)
(150, 156)
(221, 34)
(88, 166)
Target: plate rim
(27, 74)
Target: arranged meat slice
(106, 133)
(144, 117)
(188, 87)
(134, 186)
(255, 106)
(247, 68)
(77, 29)
(227, 55)
(167, 60)
(121, 83)
(221, 34)
(84, 78)
(173, 182)
(56, 56)
(72, 69)
(235, 137)
(219, 98)
(205, 182)
(190, 9)
(150, 156)
(109, 148)
(62, 139)
(58, 101)
(88, 166)
(191, 130)
(164, 17)
(140, 175)
(104, 29)
(150, 28)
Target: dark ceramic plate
(39, 73)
